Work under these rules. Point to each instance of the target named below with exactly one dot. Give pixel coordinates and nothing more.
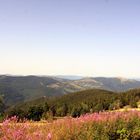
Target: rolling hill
(76, 104)
(16, 89)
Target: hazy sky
(72, 37)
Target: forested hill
(76, 104)
(15, 89)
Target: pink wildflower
(49, 136)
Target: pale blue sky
(72, 37)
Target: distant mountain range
(70, 77)
(16, 89)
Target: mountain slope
(16, 89)
(76, 104)
(114, 84)
(19, 88)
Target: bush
(35, 113)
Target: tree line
(74, 104)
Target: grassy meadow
(115, 125)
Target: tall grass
(96, 126)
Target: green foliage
(117, 104)
(17, 112)
(76, 111)
(75, 104)
(46, 107)
(2, 106)
(62, 110)
(35, 113)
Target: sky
(70, 37)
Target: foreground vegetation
(86, 115)
(74, 104)
(96, 126)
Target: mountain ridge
(15, 89)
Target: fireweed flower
(49, 137)
(70, 128)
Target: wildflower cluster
(102, 126)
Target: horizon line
(68, 75)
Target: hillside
(73, 98)
(20, 88)
(76, 104)
(16, 89)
